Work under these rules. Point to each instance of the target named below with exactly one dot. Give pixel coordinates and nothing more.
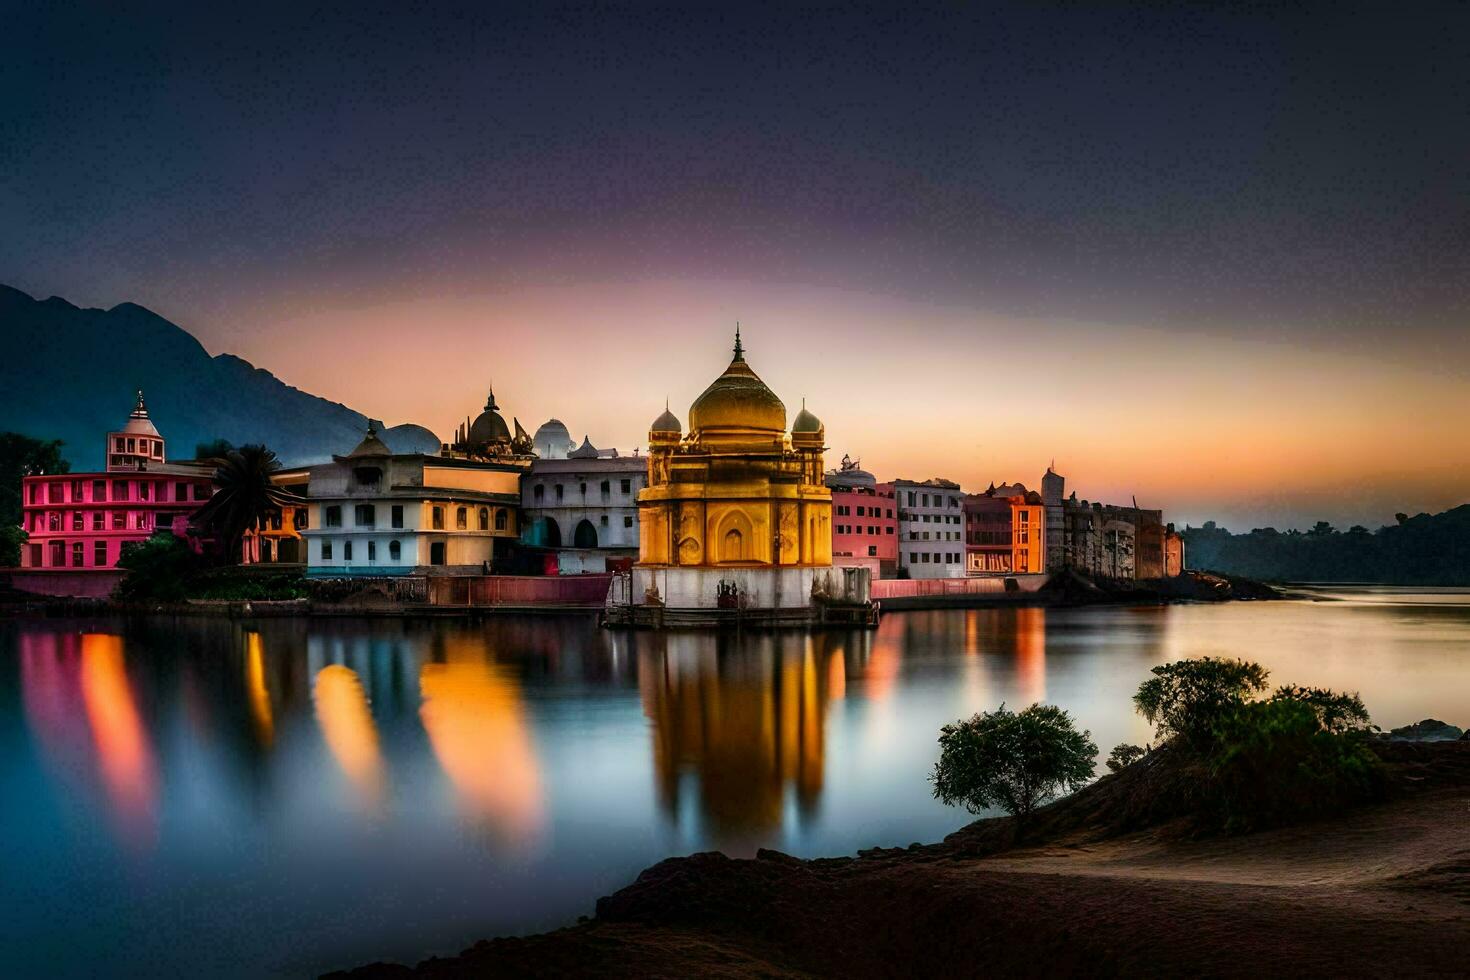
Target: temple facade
(735, 513)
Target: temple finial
(140, 410)
(739, 351)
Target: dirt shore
(1383, 890)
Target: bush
(1189, 698)
(1016, 761)
(1275, 761)
(1339, 713)
(158, 569)
(1124, 755)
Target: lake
(208, 797)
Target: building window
(395, 552)
(36, 553)
(372, 551)
(436, 553)
(78, 554)
(99, 520)
(76, 520)
(332, 516)
(890, 529)
(627, 520)
(872, 551)
(626, 486)
(54, 493)
(99, 554)
(58, 554)
(181, 491)
(366, 515)
(395, 516)
(346, 550)
(99, 490)
(118, 445)
(119, 520)
(326, 550)
(538, 492)
(76, 491)
(484, 519)
(437, 518)
(298, 518)
(606, 488)
(35, 493)
(144, 488)
(461, 518)
(558, 493)
(502, 519)
(603, 522)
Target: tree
(213, 449)
(1124, 755)
(1013, 760)
(243, 496)
(20, 457)
(1337, 713)
(158, 568)
(1188, 698)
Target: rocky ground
(1112, 881)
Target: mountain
(71, 374)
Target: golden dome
(738, 399)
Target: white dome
(552, 440)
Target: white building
(931, 528)
(373, 512)
(583, 510)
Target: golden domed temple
(736, 514)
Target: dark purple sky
(1298, 178)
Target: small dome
(584, 451)
(667, 422)
(407, 439)
(371, 445)
(738, 399)
(552, 440)
(138, 422)
(806, 421)
(489, 427)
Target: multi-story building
(277, 539)
(581, 513)
(930, 528)
(81, 521)
(1005, 532)
(1053, 498)
(864, 520)
(374, 512)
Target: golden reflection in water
(347, 725)
(257, 691)
(748, 723)
(477, 727)
(1030, 646)
(124, 757)
(880, 673)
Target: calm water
(214, 798)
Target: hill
(1428, 549)
(73, 372)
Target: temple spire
(140, 410)
(739, 351)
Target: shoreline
(1094, 889)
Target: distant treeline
(1430, 549)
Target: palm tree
(244, 496)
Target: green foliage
(1189, 698)
(1274, 762)
(1013, 760)
(243, 496)
(12, 537)
(1336, 713)
(1124, 755)
(22, 456)
(239, 586)
(159, 569)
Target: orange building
(1005, 532)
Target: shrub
(1276, 761)
(1013, 760)
(1339, 713)
(1124, 755)
(1189, 698)
(158, 568)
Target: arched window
(484, 519)
(395, 553)
(734, 547)
(585, 535)
(538, 492)
(501, 519)
(462, 518)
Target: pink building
(864, 521)
(78, 522)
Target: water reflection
(124, 758)
(257, 691)
(743, 725)
(476, 724)
(347, 725)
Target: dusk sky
(1216, 260)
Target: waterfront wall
(589, 591)
(900, 588)
(88, 584)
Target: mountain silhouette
(72, 374)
